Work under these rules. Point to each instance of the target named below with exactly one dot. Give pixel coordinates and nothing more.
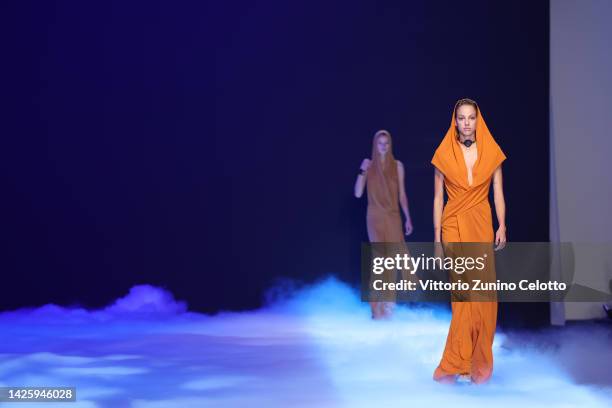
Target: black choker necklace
(467, 143)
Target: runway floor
(317, 348)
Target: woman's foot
(382, 310)
(387, 309)
(377, 310)
(464, 379)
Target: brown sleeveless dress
(383, 216)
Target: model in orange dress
(467, 161)
(384, 177)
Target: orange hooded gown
(383, 216)
(467, 218)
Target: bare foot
(464, 379)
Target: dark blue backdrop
(211, 147)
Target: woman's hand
(438, 251)
(500, 238)
(408, 227)
(365, 164)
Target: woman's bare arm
(438, 204)
(500, 208)
(361, 178)
(403, 199)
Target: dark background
(211, 147)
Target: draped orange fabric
(467, 218)
(383, 217)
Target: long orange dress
(467, 218)
(383, 217)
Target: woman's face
(466, 120)
(382, 144)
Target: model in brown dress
(384, 177)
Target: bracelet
(362, 172)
